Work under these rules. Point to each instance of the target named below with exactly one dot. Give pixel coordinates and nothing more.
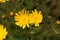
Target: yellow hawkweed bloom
(58, 22)
(3, 32)
(35, 17)
(22, 19)
(3, 1)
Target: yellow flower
(22, 19)
(3, 1)
(11, 13)
(35, 17)
(3, 16)
(58, 22)
(3, 32)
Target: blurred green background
(48, 30)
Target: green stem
(31, 37)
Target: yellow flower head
(58, 22)
(35, 17)
(3, 32)
(3, 1)
(22, 19)
(11, 13)
(3, 16)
